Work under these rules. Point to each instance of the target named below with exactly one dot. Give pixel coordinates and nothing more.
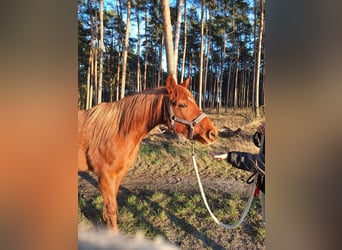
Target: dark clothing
(250, 162)
(247, 161)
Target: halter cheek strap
(192, 124)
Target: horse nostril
(212, 135)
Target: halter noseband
(191, 124)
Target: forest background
(218, 44)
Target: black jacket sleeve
(246, 161)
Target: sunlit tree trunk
(156, 69)
(209, 86)
(216, 87)
(248, 86)
(160, 72)
(213, 82)
(201, 57)
(138, 48)
(184, 50)
(259, 58)
(255, 58)
(223, 54)
(146, 49)
(88, 79)
(95, 56)
(125, 50)
(177, 33)
(190, 69)
(207, 59)
(90, 75)
(205, 51)
(165, 7)
(119, 10)
(118, 72)
(99, 98)
(229, 89)
(110, 67)
(228, 83)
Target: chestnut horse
(109, 134)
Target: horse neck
(155, 115)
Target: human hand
(261, 129)
(218, 157)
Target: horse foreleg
(106, 186)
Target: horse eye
(182, 105)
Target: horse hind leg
(106, 186)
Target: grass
(163, 213)
(180, 216)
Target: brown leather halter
(191, 124)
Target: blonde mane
(106, 120)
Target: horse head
(185, 117)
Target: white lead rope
(206, 203)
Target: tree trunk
(190, 69)
(99, 98)
(119, 9)
(242, 89)
(231, 61)
(177, 33)
(125, 50)
(214, 87)
(110, 66)
(91, 94)
(208, 52)
(96, 48)
(160, 60)
(255, 57)
(146, 49)
(138, 48)
(201, 58)
(155, 74)
(210, 87)
(118, 72)
(223, 55)
(204, 61)
(247, 86)
(228, 84)
(236, 76)
(88, 79)
(90, 76)
(184, 50)
(165, 7)
(263, 79)
(259, 58)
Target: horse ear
(185, 84)
(170, 84)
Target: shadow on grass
(94, 215)
(123, 194)
(89, 211)
(181, 223)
